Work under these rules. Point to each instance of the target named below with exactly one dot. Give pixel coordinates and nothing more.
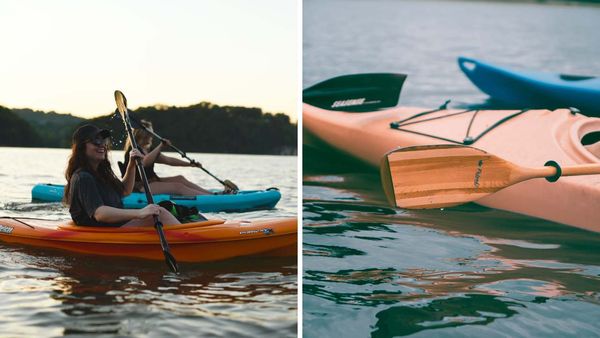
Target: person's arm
(92, 204)
(129, 177)
(153, 155)
(164, 159)
(108, 214)
(172, 161)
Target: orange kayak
(527, 138)
(205, 241)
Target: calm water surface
(51, 293)
(370, 270)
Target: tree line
(203, 127)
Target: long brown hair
(79, 161)
(141, 136)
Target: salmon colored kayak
(527, 138)
(205, 241)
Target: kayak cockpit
(588, 135)
(591, 142)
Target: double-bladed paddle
(226, 183)
(437, 176)
(122, 107)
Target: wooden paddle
(122, 107)
(437, 176)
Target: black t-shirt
(150, 173)
(87, 195)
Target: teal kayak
(530, 89)
(244, 200)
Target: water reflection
(404, 272)
(470, 309)
(106, 296)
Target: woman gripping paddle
(177, 185)
(93, 191)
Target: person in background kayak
(177, 185)
(93, 191)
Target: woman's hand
(149, 210)
(133, 154)
(129, 177)
(195, 164)
(166, 142)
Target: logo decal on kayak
(6, 229)
(347, 103)
(266, 231)
(478, 173)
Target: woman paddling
(93, 191)
(177, 185)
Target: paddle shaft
(181, 152)
(170, 260)
(583, 169)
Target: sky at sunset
(70, 56)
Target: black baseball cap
(88, 132)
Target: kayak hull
(530, 140)
(534, 89)
(242, 201)
(207, 241)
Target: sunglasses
(99, 141)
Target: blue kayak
(242, 201)
(534, 89)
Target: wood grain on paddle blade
(445, 175)
(121, 102)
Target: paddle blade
(356, 93)
(232, 186)
(171, 262)
(121, 102)
(427, 177)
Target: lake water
(370, 270)
(52, 293)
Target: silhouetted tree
(16, 132)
